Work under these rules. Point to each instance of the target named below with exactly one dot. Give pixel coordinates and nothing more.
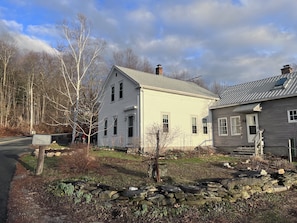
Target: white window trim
(112, 93)
(164, 113)
(219, 127)
(205, 126)
(234, 117)
(105, 127)
(115, 121)
(121, 82)
(194, 133)
(288, 113)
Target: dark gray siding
(273, 119)
(225, 141)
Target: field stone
(180, 195)
(169, 195)
(115, 196)
(280, 188)
(58, 154)
(170, 188)
(170, 201)
(106, 195)
(96, 192)
(245, 195)
(199, 202)
(151, 188)
(51, 154)
(156, 198)
(134, 193)
(213, 199)
(190, 189)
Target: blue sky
(227, 41)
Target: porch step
(243, 151)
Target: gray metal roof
(257, 91)
(166, 84)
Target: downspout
(141, 118)
(138, 118)
(210, 124)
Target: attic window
(281, 83)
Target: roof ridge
(165, 82)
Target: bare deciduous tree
(166, 137)
(185, 76)
(127, 58)
(89, 109)
(160, 137)
(81, 53)
(7, 91)
(217, 88)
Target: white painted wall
(116, 108)
(149, 107)
(180, 109)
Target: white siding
(117, 108)
(147, 107)
(180, 109)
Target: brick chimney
(286, 69)
(159, 69)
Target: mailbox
(41, 140)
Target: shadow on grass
(124, 170)
(24, 164)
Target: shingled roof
(166, 84)
(272, 88)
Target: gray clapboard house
(261, 115)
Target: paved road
(10, 150)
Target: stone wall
(242, 187)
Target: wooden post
(40, 161)
(290, 151)
(157, 157)
(42, 141)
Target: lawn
(121, 170)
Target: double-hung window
(223, 128)
(235, 125)
(204, 124)
(194, 125)
(165, 122)
(130, 126)
(121, 90)
(115, 125)
(112, 93)
(105, 127)
(292, 116)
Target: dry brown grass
(78, 162)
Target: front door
(130, 129)
(252, 126)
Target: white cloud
(218, 39)
(31, 44)
(24, 42)
(43, 30)
(11, 26)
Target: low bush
(78, 162)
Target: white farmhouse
(133, 101)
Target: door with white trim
(252, 126)
(130, 135)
